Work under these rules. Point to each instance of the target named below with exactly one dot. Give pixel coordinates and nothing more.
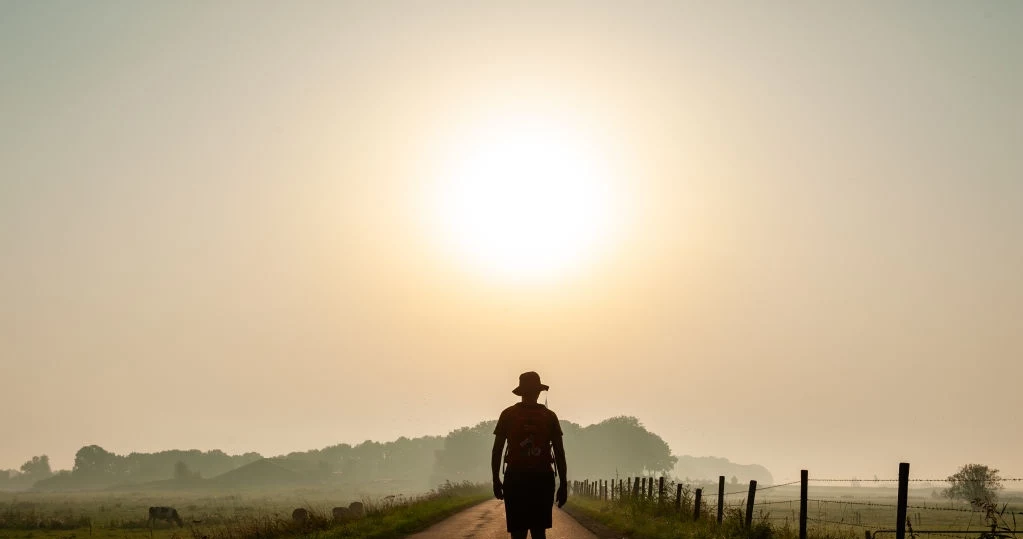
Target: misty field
(256, 513)
(833, 512)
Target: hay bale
(341, 514)
(300, 515)
(357, 509)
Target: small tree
(38, 467)
(974, 483)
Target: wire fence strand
(776, 486)
(896, 480)
(874, 504)
(823, 521)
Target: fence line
(694, 504)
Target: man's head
(529, 386)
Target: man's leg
(519, 534)
(538, 533)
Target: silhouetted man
(533, 434)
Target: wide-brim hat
(529, 382)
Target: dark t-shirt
(502, 422)
(528, 492)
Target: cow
(300, 515)
(164, 513)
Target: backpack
(529, 439)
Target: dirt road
(486, 521)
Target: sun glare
(526, 202)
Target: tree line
(619, 445)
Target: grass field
(238, 515)
(833, 513)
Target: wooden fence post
(721, 498)
(678, 498)
(642, 487)
(749, 503)
(696, 509)
(635, 488)
(650, 489)
(900, 525)
(612, 490)
(803, 480)
(660, 491)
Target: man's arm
(562, 466)
(495, 465)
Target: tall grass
(23, 516)
(388, 517)
(658, 519)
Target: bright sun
(526, 202)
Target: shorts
(528, 499)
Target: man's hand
(498, 489)
(562, 494)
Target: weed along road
(486, 521)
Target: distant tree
(974, 483)
(93, 462)
(37, 468)
(734, 480)
(465, 454)
(182, 472)
(854, 483)
(618, 445)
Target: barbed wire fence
(789, 504)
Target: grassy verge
(404, 519)
(390, 518)
(651, 522)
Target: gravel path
(486, 521)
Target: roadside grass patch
(391, 517)
(649, 521)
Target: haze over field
(789, 235)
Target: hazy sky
(215, 226)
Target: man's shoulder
(554, 418)
(519, 408)
(550, 413)
(509, 410)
